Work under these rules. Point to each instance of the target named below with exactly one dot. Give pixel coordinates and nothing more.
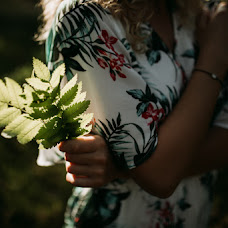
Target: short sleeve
(126, 110)
(221, 113)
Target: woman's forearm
(180, 137)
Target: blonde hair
(127, 11)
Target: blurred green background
(32, 196)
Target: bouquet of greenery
(39, 110)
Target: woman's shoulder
(84, 18)
(88, 10)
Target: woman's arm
(182, 135)
(185, 131)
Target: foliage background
(32, 196)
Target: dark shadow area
(30, 196)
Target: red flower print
(166, 213)
(121, 74)
(102, 52)
(114, 64)
(113, 76)
(121, 59)
(154, 113)
(102, 63)
(109, 40)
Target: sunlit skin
(188, 150)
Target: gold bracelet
(213, 76)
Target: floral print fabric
(131, 94)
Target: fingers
(83, 144)
(84, 181)
(98, 157)
(85, 170)
(88, 161)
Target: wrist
(213, 66)
(210, 75)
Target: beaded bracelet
(213, 76)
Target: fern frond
(14, 91)
(17, 125)
(7, 115)
(41, 70)
(58, 73)
(67, 98)
(29, 131)
(69, 85)
(75, 110)
(3, 106)
(37, 84)
(85, 119)
(4, 94)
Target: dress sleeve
(126, 110)
(221, 113)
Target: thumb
(82, 144)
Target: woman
(135, 59)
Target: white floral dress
(131, 94)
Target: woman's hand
(88, 161)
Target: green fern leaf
(58, 73)
(28, 90)
(4, 95)
(71, 113)
(41, 70)
(79, 98)
(53, 140)
(8, 115)
(45, 113)
(29, 131)
(14, 91)
(67, 98)
(55, 93)
(3, 106)
(37, 84)
(52, 127)
(85, 119)
(69, 85)
(41, 103)
(16, 126)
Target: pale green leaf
(37, 84)
(85, 119)
(69, 85)
(71, 113)
(4, 94)
(29, 131)
(79, 98)
(14, 91)
(67, 98)
(79, 87)
(3, 105)
(33, 74)
(17, 125)
(41, 70)
(8, 115)
(28, 90)
(56, 75)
